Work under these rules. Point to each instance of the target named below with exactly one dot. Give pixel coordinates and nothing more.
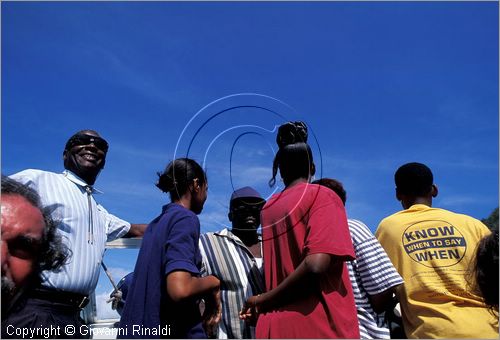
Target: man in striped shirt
(235, 258)
(85, 227)
(373, 277)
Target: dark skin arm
(380, 301)
(136, 230)
(300, 283)
(182, 286)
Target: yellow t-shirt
(432, 250)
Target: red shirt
(302, 220)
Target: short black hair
(414, 179)
(333, 185)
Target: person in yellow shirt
(433, 250)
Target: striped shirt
(226, 257)
(78, 215)
(371, 273)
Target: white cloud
(104, 310)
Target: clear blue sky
(380, 84)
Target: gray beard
(8, 290)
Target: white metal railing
(89, 313)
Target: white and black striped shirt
(371, 273)
(240, 275)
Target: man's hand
(115, 298)
(250, 311)
(212, 314)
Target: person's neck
(417, 200)
(247, 236)
(89, 179)
(295, 182)
(184, 201)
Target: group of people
(311, 273)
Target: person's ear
(398, 195)
(230, 216)
(434, 191)
(196, 185)
(313, 169)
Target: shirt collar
(78, 181)
(418, 206)
(227, 233)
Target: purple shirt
(170, 244)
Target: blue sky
(379, 84)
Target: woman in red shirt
(305, 243)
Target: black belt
(62, 297)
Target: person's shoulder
(178, 212)
(359, 227)
(322, 193)
(216, 236)
(388, 222)
(33, 173)
(35, 177)
(392, 217)
(467, 218)
(208, 235)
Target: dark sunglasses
(247, 208)
(99, 142)
(24, 247)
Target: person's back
(306, 242)
(295, 227)
(432, 249)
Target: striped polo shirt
(371, 273)
(79, 216)
(240, 275)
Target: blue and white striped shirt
(240, 275)
(371, 273)
(66, 195)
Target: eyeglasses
(99, 142)
(247, 208)
(24, 247)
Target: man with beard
(30, 244)
(85, 226)
(235, 257)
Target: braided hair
(294, 157)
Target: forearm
(136, 230)
(380, 302)
(182, 285)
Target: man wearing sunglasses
(85, 226)
(235, 257)
(30, 244)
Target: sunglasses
(24, 247)
(99, 142)
(247, 208)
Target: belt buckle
(84, 302)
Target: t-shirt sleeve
(115, 227)
(181, 246)
(327, 230)
(372, 264)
